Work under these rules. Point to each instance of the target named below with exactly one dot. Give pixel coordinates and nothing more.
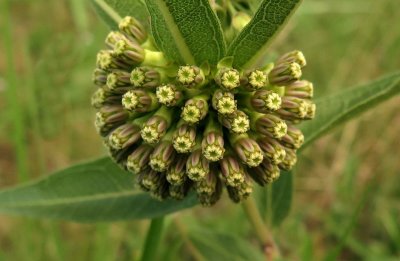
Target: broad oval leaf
(111, 11)
(89, 192)
(252, 42)
(188, 32)
(334, 110)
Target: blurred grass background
(347, 193)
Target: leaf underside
(334, 110)
(90, 192)
(188, 32)
(249, 46)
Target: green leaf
(188, 32)
(252, 42)
(336, 109)
(89, 192)
(111, 11)
(223, 246)
(281, 198)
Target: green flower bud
(293, 139)
(269, 125)
(293, 57)
(145, 77)
(213, 146)
(285, 73)
(119, 156)
(150, 179)
(112, 38)
(208, 184)
(293, 108)
(195, 110)
(272, 149)
(266, 101)
(241, 192)
(176, 174)
(133, 29)
(237, 122)
(99, 77)
(209, 190)
(118, 81)
(228, 78)
(207, 199)
(300, 89)
(168, 95)
(184, 138)
(232, 171)
(107, 60)
(162, 156)
(140, 101)
(247, 149)
(310, 111)
(124, 136)
(179, 192)
(191, 76)
(162, 191)
(139, 158)
(156, 127)
(130, 52)
(102, 97)
(289, 161)
(109, 117)
(224, 102)
(265, 173)
(254, 80)
(197, 167)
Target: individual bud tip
(279, 130)
(240, 124)
(187, 75)
(226, 105)
(137, 77)
(130, 100)
(257, 79)
(167, 94)
(191, 114)
(229, 79)
(104, 59)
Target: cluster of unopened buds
(182, 128)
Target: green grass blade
(18, 133)
(251, 44)
(334, 110)
(94, 191)
(188, 32)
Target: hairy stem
(152, 239)
(264, 235)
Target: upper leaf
(336, 109)
(253, 41)
(188, 32)
(94, 191)
(113, 10)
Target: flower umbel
(183, 127)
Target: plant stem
(190, 247)
(264, 235)
(152, 239)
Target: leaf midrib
(72, 200)
(108, 10)
(176, 33)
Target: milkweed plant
(192, 106)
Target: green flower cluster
(182, 128)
